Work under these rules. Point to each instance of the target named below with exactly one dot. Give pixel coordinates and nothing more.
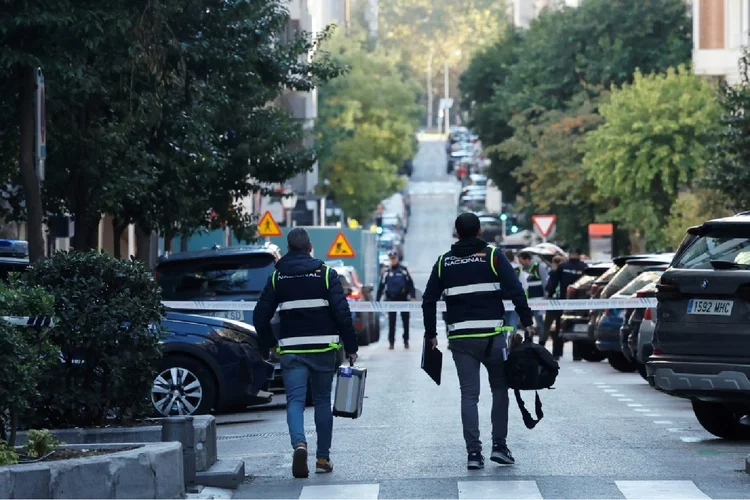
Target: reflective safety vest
(304, 313)
(473, 295)
(534, 281)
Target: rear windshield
(638, 283)
(200, 279)
(584, 281)
(607, 276)
(725, 248)
(623, 277)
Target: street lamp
(289, 202)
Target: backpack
(530, 367)
(395, 283)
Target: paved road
(604, 435)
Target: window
(215, 277)
(724, 247)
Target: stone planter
(153, 470)
(205, 437)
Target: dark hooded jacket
(479, 306)
(299, 276)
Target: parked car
(366, 324)
(220, 274)
(574, 324)
(209, 364)
(492, 228)
(641, 335)
(606, 323)
(701, 346)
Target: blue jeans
(296, 370)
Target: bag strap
(529, 422)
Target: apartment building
(720, 31)
(525, 11)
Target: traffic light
(514, 229)
(503, 217)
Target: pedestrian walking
(511, 318)
(315, 321)
(553, 317)
(567, 273)
(397, 285)
(535, 283)
(473, 276)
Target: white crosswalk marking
(344, 491)
(498, 489)
(648, 490)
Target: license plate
(235, 315)
(710, 307)
(581, 328)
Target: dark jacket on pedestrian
(567, 273)
(312, 307)
(472, 262)
(396, 284)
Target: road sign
(267, 226)
(341, 247)
(544, 224)
(600, 241)
(446, 103)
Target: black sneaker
(475, 461)
(501, 455)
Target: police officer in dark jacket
(398, 286)
(474, 276)
(566, 274)
(315, 321)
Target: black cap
(467, 225)
(298, 240)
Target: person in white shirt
(511, 317)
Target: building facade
(525, 11)
(720, 31)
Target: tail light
(594, 289)
(647, 316)
(354, 294)
(571, 292)
(657, 351)
(667, 290)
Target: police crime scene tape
(356, 306)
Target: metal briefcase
(350, 392)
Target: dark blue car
(209, 364)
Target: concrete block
(747, 464)
(6, 484)
(168, 464)
(133, 478)
(31, 481)
(227, 474)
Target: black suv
(702, 336)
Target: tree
(653, 144)
(729, 169)
(367, 122)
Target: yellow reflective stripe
(498, 331)
(327, 279)
(273, 279)
(331, 347)
(492, 260)
(440, 266)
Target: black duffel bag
(529, 367)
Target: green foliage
(729, 170)
(105, 310)
(8, 455)
(653, 144)
(367, 121)
(158, 111)
(692, 208)
(40, 443)
(25, 353)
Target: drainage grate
(233, 437)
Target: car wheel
(589, 352)
(721, 421)
(620, 363)
(183, 386)
(642, 371)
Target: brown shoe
(299, 462)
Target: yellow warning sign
(341, 247)
(267, 226)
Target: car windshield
(720, 249)
(642, 280)
(215, 277)
(624, 276)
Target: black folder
(432, 361)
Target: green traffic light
(504, 217)
(514, 229)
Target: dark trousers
(557, 340)
(392, 326)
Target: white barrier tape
(534, 304)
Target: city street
(604, 435)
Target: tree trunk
(117, 230)
(143, 245)
(29, 179)
(184, 243)
(13, 427)
(168, 236)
